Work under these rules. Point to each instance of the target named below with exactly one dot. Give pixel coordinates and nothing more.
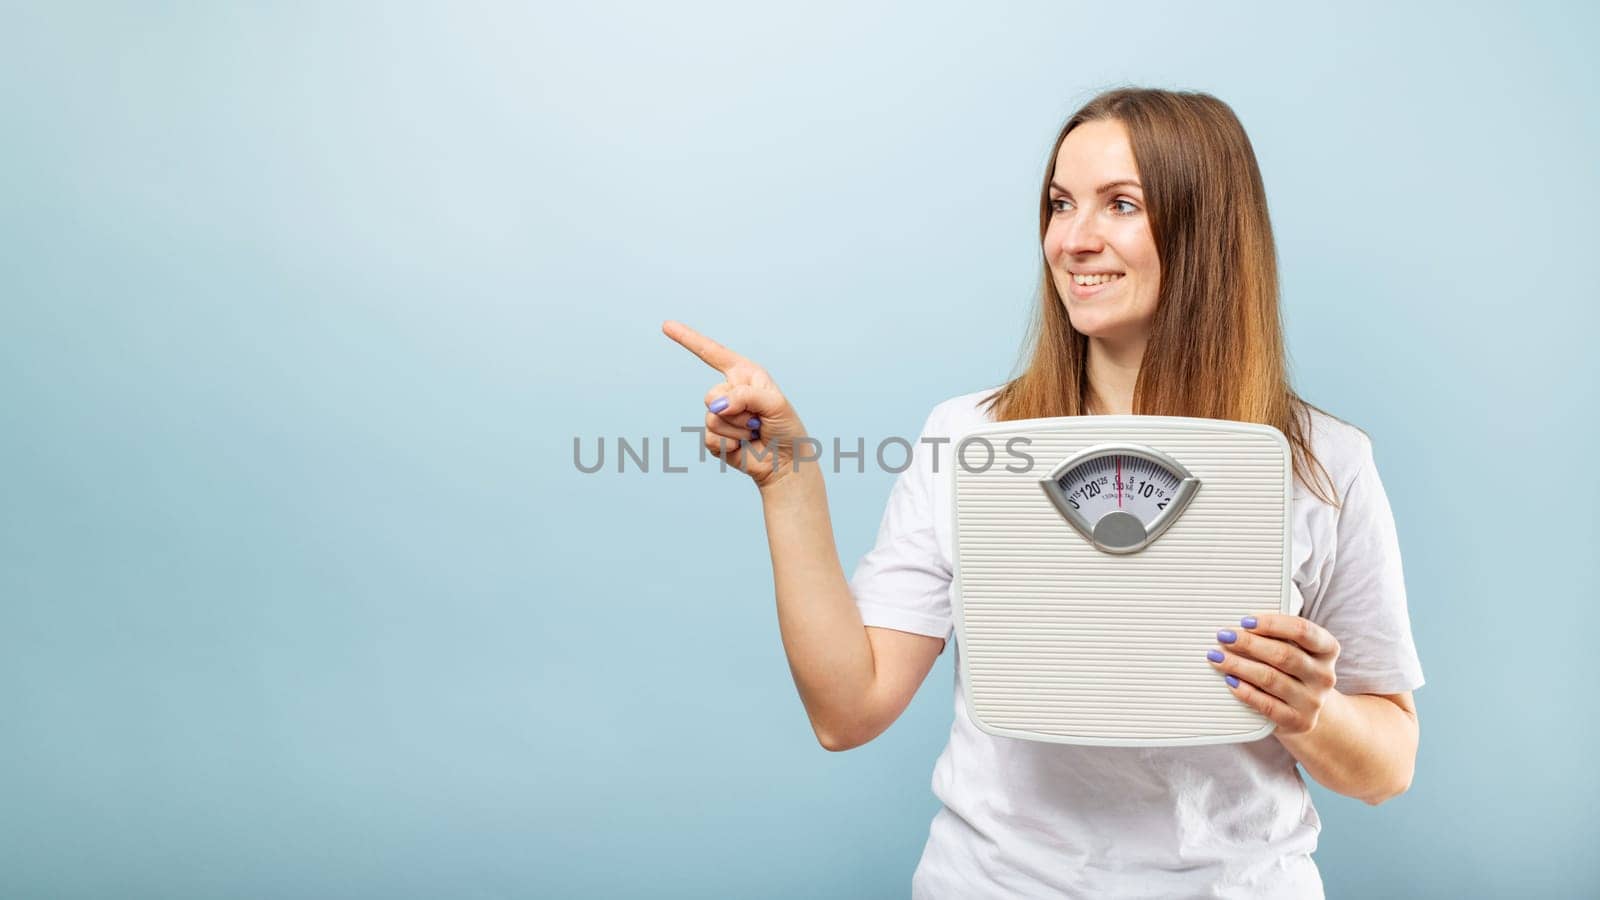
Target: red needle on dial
(1119, 481)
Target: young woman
(1159, 297)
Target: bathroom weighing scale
(1089, 586)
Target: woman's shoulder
(960, 414)
(1340, 446)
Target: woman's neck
(1113, 370)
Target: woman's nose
(1081, 236)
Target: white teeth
(1087, 280)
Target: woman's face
(1098, 244)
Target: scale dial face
(1120, 497)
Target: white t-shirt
(1035, 819)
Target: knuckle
(1272, 680)
(1282, 656)
(1261, 702)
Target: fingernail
(1214, 655)
(1248, 621)
(1226, 636)
(719, 404)
(753, 424)
(1232, 681)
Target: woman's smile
(1083, 286)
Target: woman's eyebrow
(1104, 187)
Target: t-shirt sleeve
(1364, 603)
(903, 582)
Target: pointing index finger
(712, 353)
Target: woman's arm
(1363, 745)
(1359, 745)
(854, 681)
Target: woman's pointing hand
(749, 423)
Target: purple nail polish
(753, 424)
(1226, 636)
(1214, 655)
(1248, 621)
(1232, 681)
(719, 404)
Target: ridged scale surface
(1062, 642)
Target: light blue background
(302, 305)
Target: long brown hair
(1215, 348)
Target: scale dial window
(1120, 497)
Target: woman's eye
(1124, 207)
(1055, 208)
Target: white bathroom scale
(1089, 584)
